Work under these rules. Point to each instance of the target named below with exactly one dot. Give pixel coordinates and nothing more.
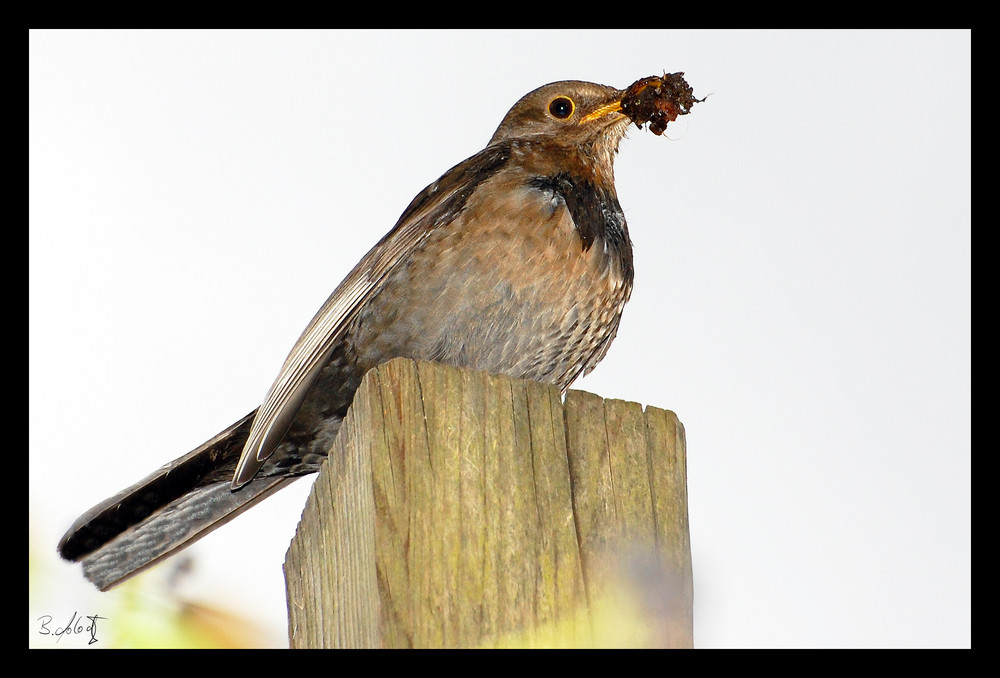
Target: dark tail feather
(165, 512)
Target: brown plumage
(515, 261)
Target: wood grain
(464, 509)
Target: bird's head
(570, 111)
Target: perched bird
(516, 261)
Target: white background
(802, 294)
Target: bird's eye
(561, 107)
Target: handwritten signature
(76, 625)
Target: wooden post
(462, 509)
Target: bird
(516, 261)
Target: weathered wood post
(471, 510)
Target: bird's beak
(613, 107)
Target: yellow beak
(613, 107)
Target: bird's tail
(165, 512)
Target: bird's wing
(436, 205)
